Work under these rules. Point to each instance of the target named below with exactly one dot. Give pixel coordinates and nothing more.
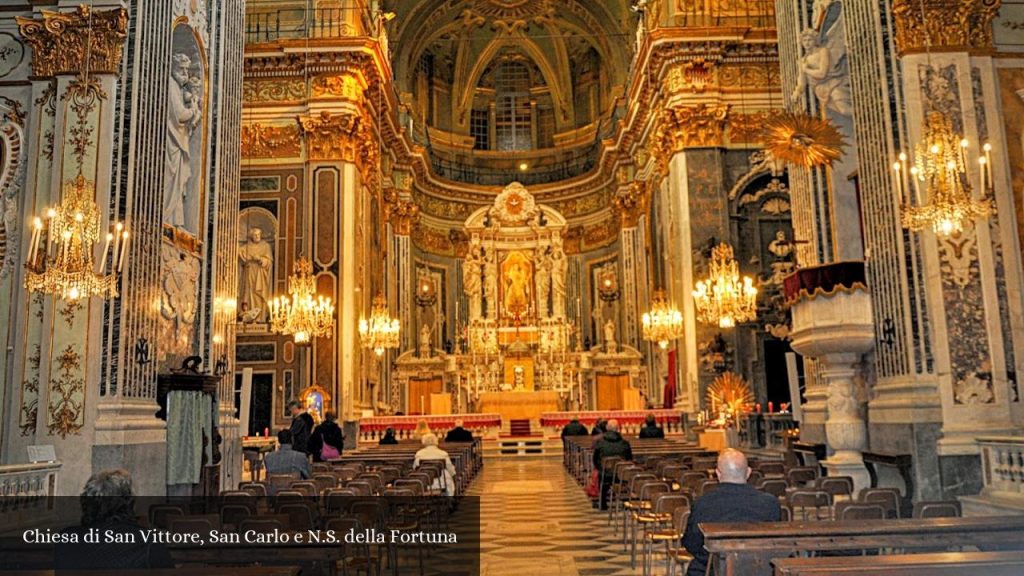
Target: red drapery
(670, 385)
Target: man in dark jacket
(301, 428)
(574, 428)
(651, 429)
(611, 444)
(458, 434)
(733, 500)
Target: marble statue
(824, 68)
(471, 270)
(491, 284)
(559, 267)
(780, 247)
(256, 258)
(183, 118)
(424, 341)
(610, 345)
(543, 280)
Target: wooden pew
(181, 571)
(747, 548)
(934, 564)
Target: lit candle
(117, 246)
(898, 168)
(124, 249)
(916, 178)
(987, 148)
(106, 249)
(34, 244)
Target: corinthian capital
(333, 136)
(61, 40)
(944, 25)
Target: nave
(535, 517)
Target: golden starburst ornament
(803, 140)
(729, 393)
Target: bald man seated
(733, 500)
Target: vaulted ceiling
(558, 38)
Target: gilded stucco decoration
(747, 128)
(691, 76)
(698, 126)
(60, 40)
(30, 393)
(67, 395)
(944, 25)
(259, 141)
(799, 139)
(273, 90)
(403, 215)
(342, 137)
(432, 240)
(630, 203)
(348, 87)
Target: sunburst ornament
(802, 140)
(729, 393)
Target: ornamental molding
(630, 203)
(333, 136)
(944, 25)
(60, 40)
(695, 126)
(402, 213)
(259, 141)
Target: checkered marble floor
(537, 520)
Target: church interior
(787, 228)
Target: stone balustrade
(630, 421)
(28, 494)
(1002, 460)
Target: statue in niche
(542, 276)
(184, 115)
(424, 341)
(472, 270)
(256, 257)
(824, 68)
(491, 286)
(610, 346)
(782, 249)
(517, 287)
(559, 266)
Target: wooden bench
(181, 571)
(748, 548)
(934, 564)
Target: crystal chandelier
(381, 331)
(302, 313)
(663, 323)
(725, 298)
(64, 266)
(940, 166)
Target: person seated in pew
(458, 434)
(286, 460)
(732, 501)
(651, 428)
(108, 505)
(574, 428)
(430, 451)
(388, 439)
(422, 429)
(600, 427)
(611, 444)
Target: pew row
(747, 549)
(928, 564)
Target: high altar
(521, 355)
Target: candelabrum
(663, 323)
(380, 331)
(725, 298)
(302, 313)
(62, 265)
(943, 196)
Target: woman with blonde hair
(422, 429)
